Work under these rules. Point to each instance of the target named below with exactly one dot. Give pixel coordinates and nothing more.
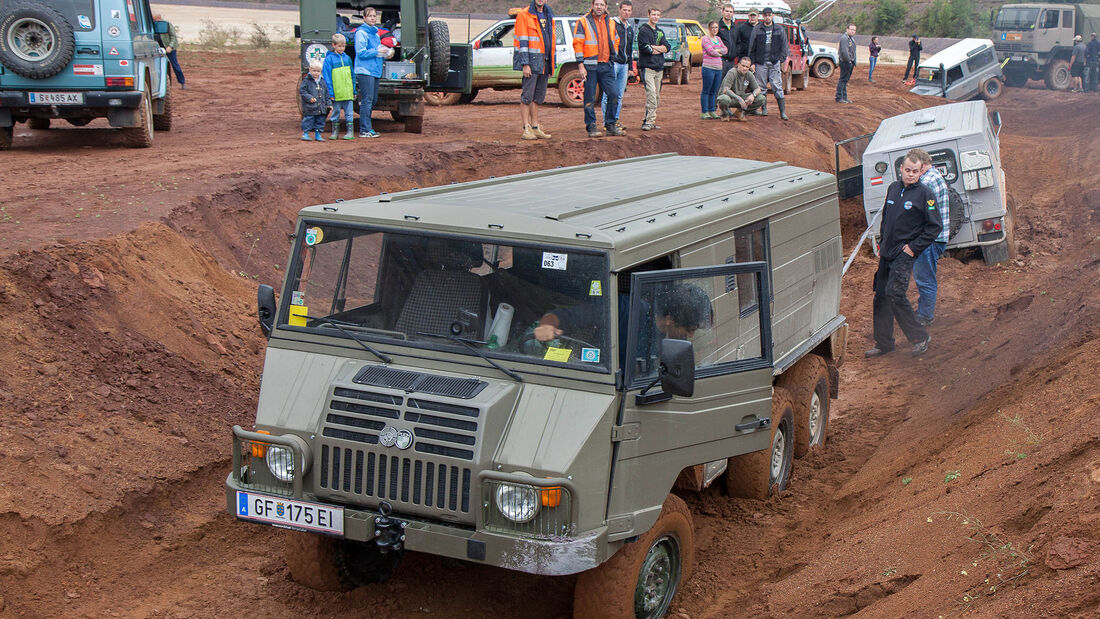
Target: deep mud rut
(965, 483)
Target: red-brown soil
(963, 483)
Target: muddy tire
(36, 40)
(785, 75)
(571, 88)
(676, 73)
(330, 564)
(468, 98)
(79, 122)
(1006, 249)
(6, 134)
(808, 384)
(685, 77)
(802, 82)
(141, 136)
(163, 122)
(439, 52)
(1057, 76)
(39, 124)
(991, 88)
(1016, 79)
(641, 580)
(442, 98)
(298, 97)
(760, 474)
(823, 68)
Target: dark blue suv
(79, 60)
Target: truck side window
(980, 60)
(749, 246)
(1067, 19)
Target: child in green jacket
(341, 86)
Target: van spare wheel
(439, 51)
(36, 41)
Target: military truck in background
(409, 402)
(424, 57)
(1036, 40)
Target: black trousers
(846, 69)
(891, 282)
(911, 64)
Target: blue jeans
(622, 72)
(712, 78)
(924, 274)
(175, 66)
(313, 122)
(871, 69)
(602, 75)
(348, 108)
(367, 87)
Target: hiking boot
(539, 133)
(647, 127)
(739, 115)
(593, 132)
(921, 347)
(612, 130)
(528, 133)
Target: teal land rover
(78, 60)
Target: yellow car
(695, 33)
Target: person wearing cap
(1077, 64)
(768, 50)
(1092, 64)
(915, 49)
(744, 36)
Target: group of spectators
(1084, 68)
(739, 61)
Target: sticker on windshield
(314, 236)
(560, 355)
(298, 315)
(297, 297)
(590, 355)
(84, 22)
(595, 289)
(550, 260)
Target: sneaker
(926, 322)
(540, 134)
(647, 127)
(612, 130)
(528, 133)
(363, 134)
(594, 133)
(704, 116)
(921, 347)
(877, 352)
(370, 134)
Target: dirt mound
(965, 482)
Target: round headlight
(280, 461)
(517, 503)
(880, 167)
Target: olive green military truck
(521, 371)
(1034, 41)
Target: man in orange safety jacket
(534, 55)
(595, 42)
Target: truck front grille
(395, 478)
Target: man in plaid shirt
(924, 268)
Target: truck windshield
(1016, 18)
(450, 293)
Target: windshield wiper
(329, 321)
(469, 343)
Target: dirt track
(127, 286)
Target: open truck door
(848, 156)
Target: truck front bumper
(555, 556)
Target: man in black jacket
(910, 222)
(652, 47)
(744, 35)
(727, 31)
(915, 48)
(768, 50)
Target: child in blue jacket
(314, 102)
(341, 86)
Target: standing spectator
(1092, 64)
(369, 55)
(924, 268)
(170, 41)
(315, 106)
(623, 58)
(768, 50)
(847, 48)
(652, 47)
(910, 222)
(915, 49)
(534, 55)
(744, 35)
(595, 41)
(713, 51)
(336, 72)
(727, 31)
(741, 90)
(874, 48)
(1077, 65)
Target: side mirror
(265, 303)
(297, 31)
(160, 27)
(677, 371)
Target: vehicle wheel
(991, 88)
(39, 124)
(641, 579)
(571, 88)
(676, 73)
(1016, 79)
(759, 474)
(1010, 228)
(442, 98)
(6, 134)
(803, 81)
(823, 68)
(330, 564)
(142, 135)
(468, 98)
(439, 51)
(414, 124)
(785, 75)
(36, 40)
(1057, 76)
(808, 384)
(79, 122)
(686, 77)
(163, 122)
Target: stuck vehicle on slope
(965, 70)
(78, 60)
(481, 371)
(1036, 40)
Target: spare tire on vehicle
(956, 212)
(439, 52)
(36, 41)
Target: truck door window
(749, 245)
(1049, 19)
(1067, 19)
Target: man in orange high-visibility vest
(534, 55)
(595, 42)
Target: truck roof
(956, 53)
(641, 207)
(935, 124)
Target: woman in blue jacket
(369, 55)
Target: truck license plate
(290, 514)
(56, 98)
